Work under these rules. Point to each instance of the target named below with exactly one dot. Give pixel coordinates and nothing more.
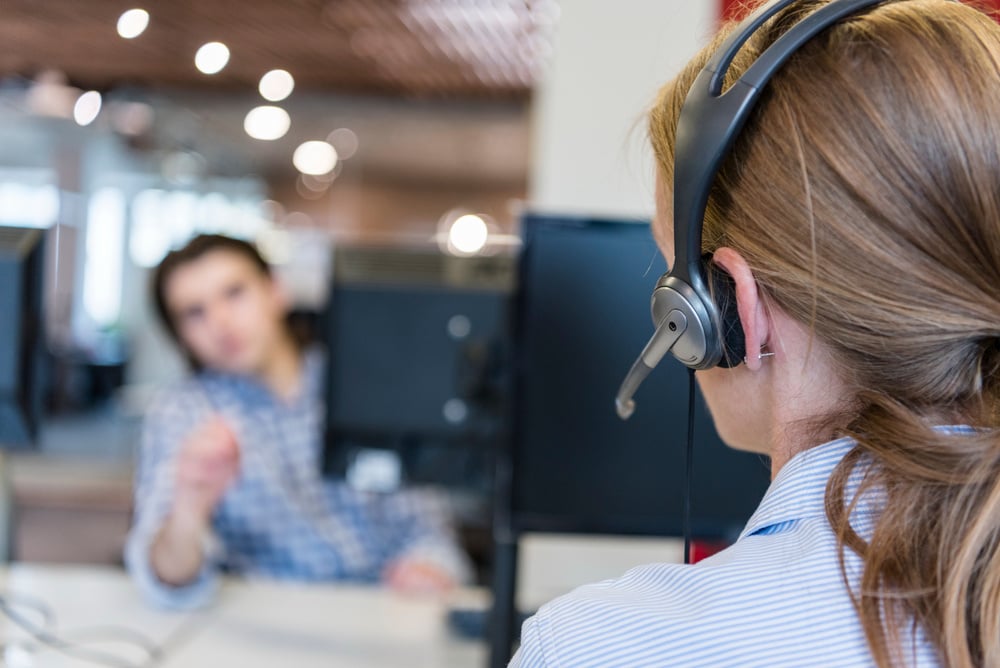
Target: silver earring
(760, 356)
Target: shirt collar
(252, 391)
(799, 490)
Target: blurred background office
(125, 130)
(375, 150)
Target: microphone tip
(625, 408)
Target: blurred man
(229, 471)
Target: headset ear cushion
(723, 287)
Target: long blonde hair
(865, 195)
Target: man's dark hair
(194, 250)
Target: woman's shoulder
(718, 612)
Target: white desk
(252, 624)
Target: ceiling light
(276, 85)
(132, 23)
(468, 234)
(305, 191)
(267, 123)
(319, 184)
(315, 158)
(345, 141)
(211, 57)
(131, 118)
(50, 95)
(87, 107)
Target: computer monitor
(411, 370)
(582, 316)
(22, 345)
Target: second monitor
(583, 313)
(414, 339)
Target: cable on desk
(35, 605)
(45, 637)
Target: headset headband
(711, 120)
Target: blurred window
(163, 220)
(151, 235)
(102, 277)
(28, 198)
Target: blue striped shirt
(280, 518)
(774, 598)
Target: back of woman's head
(864, 195)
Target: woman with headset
(848, 187)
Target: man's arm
(206, 465)
(177, 554)
(424, 552)
(167, 551)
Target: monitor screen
(21, 338)
(399, 355)
(411, 369)
(583, 315)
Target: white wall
(589, 144)
(590, 156)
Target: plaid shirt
(280, 518)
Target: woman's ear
(753, 317)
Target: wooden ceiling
(425, 48)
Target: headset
(701, 331)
